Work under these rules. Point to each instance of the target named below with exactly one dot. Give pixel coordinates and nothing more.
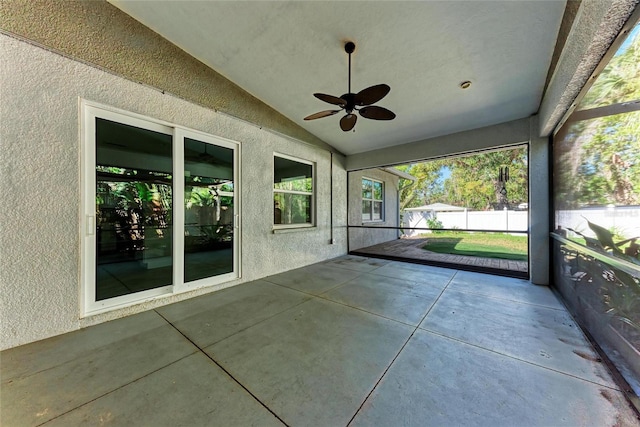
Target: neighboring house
(82, 80)
(417, 217)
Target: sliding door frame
(89, 112)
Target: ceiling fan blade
(348, 122)
(377, 113)
(330, 99)
(322, 114)
(372, 94)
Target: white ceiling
(283, 52)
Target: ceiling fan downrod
(349, 47)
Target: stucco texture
(41, 188)
(487, 138)
(539, 206)
(363, 237)
(596, 25)
(100, 34)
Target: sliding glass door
(209, 210)
(133, 205)
(139, 243)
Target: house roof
(399, 173)
(437, 207)
(284, 51)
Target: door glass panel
(133, 209)
(209, 210)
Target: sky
(445, 173)
(632, 35)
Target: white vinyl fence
(505, 220)
(625, 220)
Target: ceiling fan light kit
(352, 102)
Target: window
(372, 200)
(146, 232)
(292, 192)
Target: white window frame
(306, 193)
(88, 236)
(372, 200)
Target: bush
(434, 223)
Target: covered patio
(349, 341)
(178, 227)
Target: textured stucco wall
(363, 237)
(40, 188)
(596, 25)
(500, 135)
(539, 205)
(570, 12)
(98, 33)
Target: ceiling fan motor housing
(350, 98)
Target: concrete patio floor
(351, 341)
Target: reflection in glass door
(133, 209)
(209, 210)
(137, 243)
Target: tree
(599, 166)
(425, 189)
(596, 160)
(619, 81)
(469, 181)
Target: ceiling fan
(206, 157)
(351, 102)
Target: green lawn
(488, 245)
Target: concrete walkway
(411, 249)
(352, 341)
